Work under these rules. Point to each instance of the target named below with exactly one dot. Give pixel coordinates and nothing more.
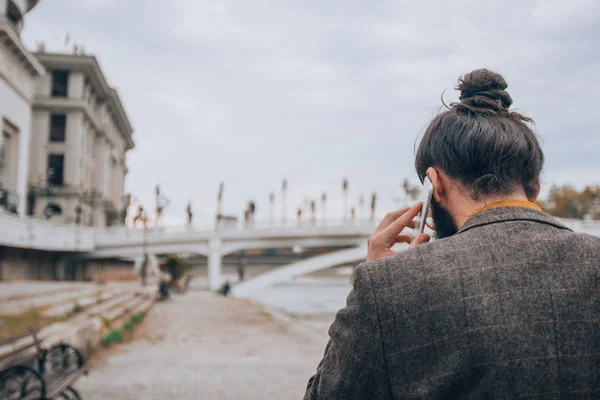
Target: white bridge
(217, 244)
(120, 242)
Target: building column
(215, 259)
(24, 138)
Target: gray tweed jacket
(508, 307)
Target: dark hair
(480, 142)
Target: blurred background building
(19, 71)
(65, 132)
(80, 137)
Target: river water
(306, 296)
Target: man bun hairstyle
(480, 142)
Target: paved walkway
(202, 346)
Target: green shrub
(137, 317)
(106, 322)
(128, 325)
(114, 336)
(77, 308)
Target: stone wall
(109, 270)
(24, 264)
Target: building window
(56, 163)
(60, 83)
(58, 127)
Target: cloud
(251, 92)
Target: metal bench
(29, 371)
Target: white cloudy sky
(251, 91)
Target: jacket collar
(505, 214)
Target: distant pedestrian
(241, 269)
(225, 289)
(144, 268)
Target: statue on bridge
(373, 203)
(190, 215)
(140, 216)
(249, 214)
(161, 203)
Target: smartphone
(426, 194)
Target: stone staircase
(88, 313)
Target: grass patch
(106, 322)
(119, 335)
(15, 324)
(137, 317)
(114, 336)
(128, 325)
(77, 308)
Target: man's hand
(388, 234)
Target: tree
(567, 202)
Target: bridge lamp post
(324, 205)
(345, 190)
(272, 208)
(373, 204)
(361, 205)
(283, 200)
(48, 211)
(313, 209)
(219, 204)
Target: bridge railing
(112, 235)
(47, 235)
(122, 235)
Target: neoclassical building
(80, 137)
(19, 72)
(65, 133)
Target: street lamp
(48, 212)
(219, 204)
(283, 200)
(361, 204)
(345, 190)
(272, 208)
(324, 205)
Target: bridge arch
(288, 272)
(229, 247)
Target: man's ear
(438, 185)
